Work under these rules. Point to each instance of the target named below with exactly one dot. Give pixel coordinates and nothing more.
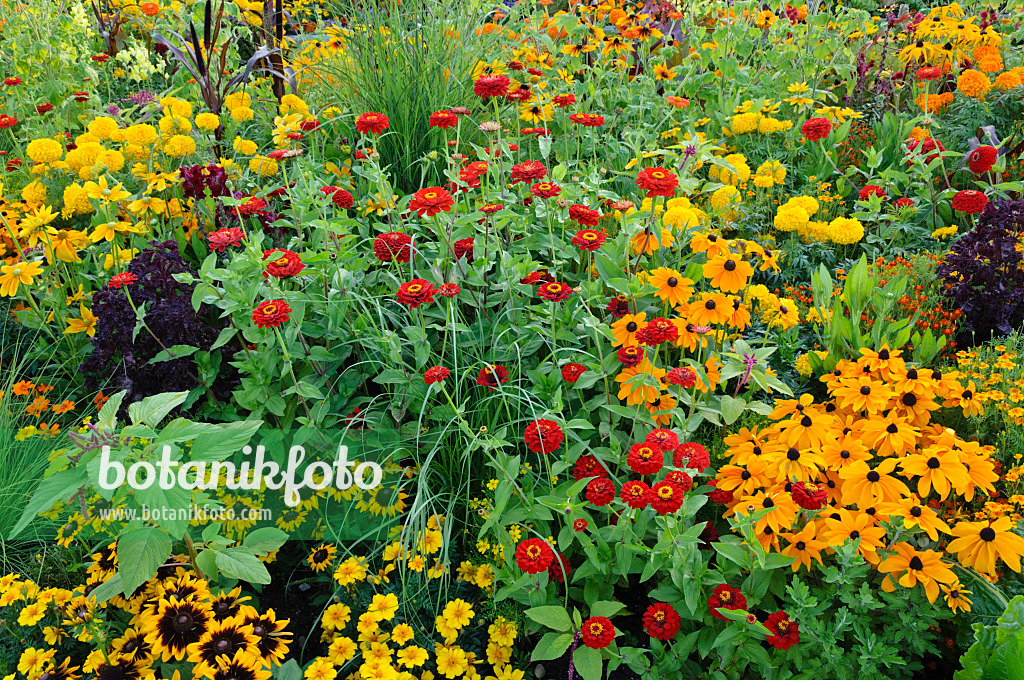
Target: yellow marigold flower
(973, 83)
(241, 114)
(207, 121)
(44, 150)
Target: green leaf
(733, 552)
(551, 646)
(606, 608)
(174, 352)
(207, 561)
(732, 409)
(551, 616)
(222, 440)
(151, 410)
(139, 554)
(108, 589)
(290, 670)
(588, 663)
(265, 540)
(241, 564)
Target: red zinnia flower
(929, 148)
(579, 525)
(7, 121)
(584, 215)
(685, 377)
(869, 191)
(661, 621)
(904, 202)
(464, 248)
(645, 458)
(543, 436)
(725, 596)
(618, 306)
(816, 128)
(587, 119)
(571, 372)
(372, 123)
(982, 159)
(491, 208)
(636, 495)
(443, 120)
(680, 478)
(545, 190)
(309, 125)
(560, 567)
(600, 491)
(534, 555)
(491, 86)
(695, 456)
(222, 238)
(431, 201)
(122, 279)
(588, 239)
(588, 466)
(809, 496)
(449, 290)
(657, 182)
(492, 376)
(598, 632)
(554, 291)
(271, 313)
(929, 73)
(342, 199)
(662, 438)
(43, 108)
(657, 331)
(11, 82)
(720, 496)
(970, 201)
(666, 497)
(415, 293)
(537, 277)
(393, 245)
(563, 100)
(283, 266)
(630, 356)
(527, 171)
(785, 633)
(435, 374)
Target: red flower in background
(44, 108)
(222, 238)
(809, 496)
(970, 201)
(598, 632)
(725, 596)
(122, 279)
(562, 100)
(662, 438)
(661, 621)
(560, 567)
(435, 374)
(571, 372)
(600, 491)
(785, 633)
(554, 291)
(393, 245)
(431, 201)
(443, 120)
(534, 555)
(657, 182)
(681, 478)
(271, 314)
(584, 215)
(588, 466)
(415, 293)
(284, 265)
(587, 119)
(982, 159)
(667, 497)
(527, 171)
(930, 148)
(7, 121)
(492, 376)
(579, 525)
(685, 377)
(720, 496)
(372, 123)
(543, 436)
(491, 86)
(618, 306)
(588, 239)
(869, 191)
(816, 128)
(636, 495)
(657, 331)
(695, 456)
(464, 248)
(11, 82)
(342, 199)
(449, 290)
(545, 190)
(630, 356)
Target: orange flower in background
(99, 400)
(64, 407)
(38, 406)
(23, 388)
(150, 9)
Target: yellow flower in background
(14, 275)
(86, 324)
(207, 121)
(100, 190)
(64, 244)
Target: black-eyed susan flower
(912, 567)
(322, 556)
(981, 544)
(175, 625)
